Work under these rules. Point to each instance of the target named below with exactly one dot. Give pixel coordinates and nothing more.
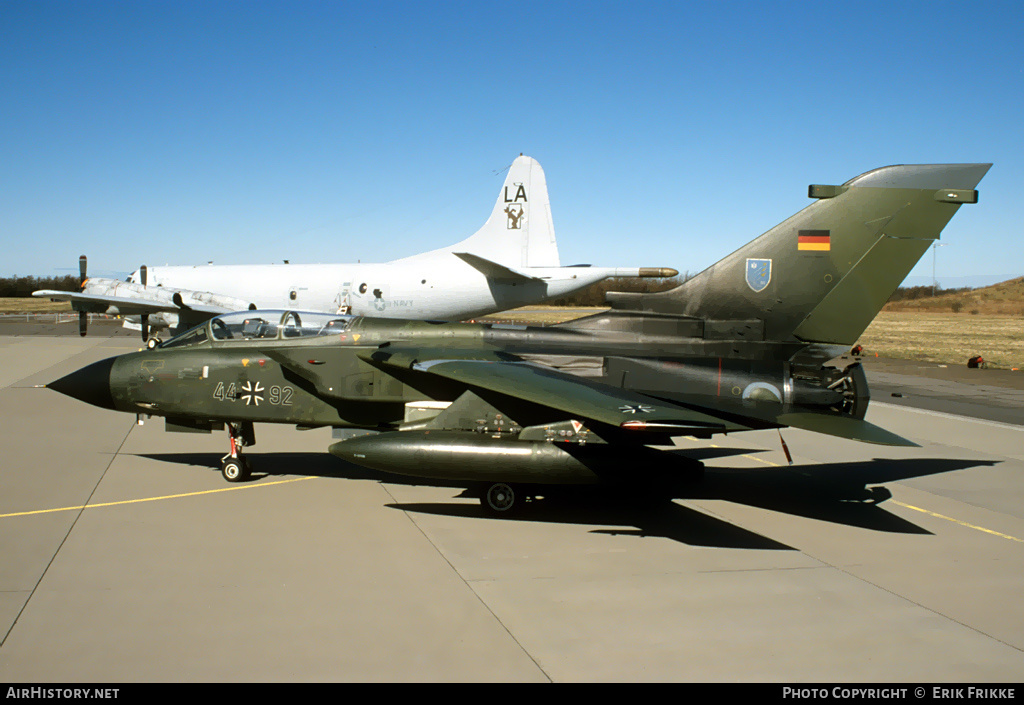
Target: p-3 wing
(132, 299)
(106, 303)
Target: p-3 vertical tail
(519, 232)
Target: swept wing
(582, 398)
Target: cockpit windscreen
(263, 325)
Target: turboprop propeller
(143, 276)
(83, 317)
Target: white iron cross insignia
(253, 394)
(636, 408)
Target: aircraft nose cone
(90, 384)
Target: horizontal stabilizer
(844, 427)
(493, 270)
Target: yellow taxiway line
(299, 479)
(155, 499)
(957, 521)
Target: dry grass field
(950, 338)
(541, 315)
(951, 328)
(33, 305)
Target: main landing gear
(234, 466)
(498, 498)
(505, 499)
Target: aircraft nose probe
(90, 384)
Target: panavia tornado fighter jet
(743, 345)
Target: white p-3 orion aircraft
(511, 261)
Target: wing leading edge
(115, 305)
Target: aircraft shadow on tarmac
(840, 493)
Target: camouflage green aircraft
(743, 345)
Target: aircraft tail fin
(519, 231)
(822, 275)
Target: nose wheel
(236, 469)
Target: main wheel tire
(234, 470)
(499, 498)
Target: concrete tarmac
(127, 558)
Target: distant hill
(975, 281)
(1003, 299)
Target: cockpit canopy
(263, 325)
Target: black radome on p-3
(743, 345)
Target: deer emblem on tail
(515, 215)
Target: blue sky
(670, 133)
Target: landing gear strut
(234, 466)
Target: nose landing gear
(234, 466)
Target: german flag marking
(814, 240)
